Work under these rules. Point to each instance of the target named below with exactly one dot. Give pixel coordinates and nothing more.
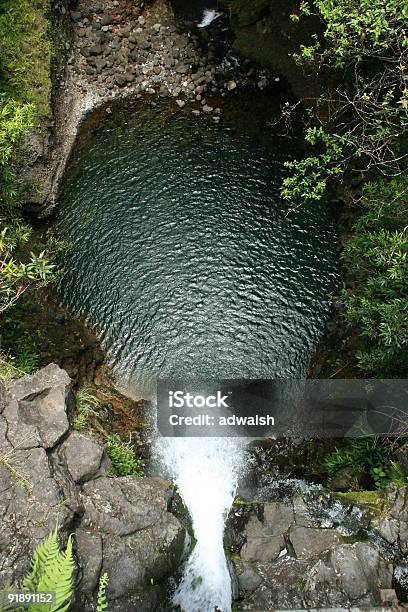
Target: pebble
(120, 80)
(180, 103)
(207, 108)
(141, 20)
(231, 85)
(196, 112)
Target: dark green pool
(181, 251)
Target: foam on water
(206, 472)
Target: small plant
(124, 459)
(370, 456)
(102, 604)
(86, 404)
(358, 454)
(51, 572)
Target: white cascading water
(206, 472)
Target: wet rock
(130, 514)
(344, 480)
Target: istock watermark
(282, 408)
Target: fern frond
(46, 554)
(102, 603)
(57, 579)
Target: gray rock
(308, 542)
(181, 69)
(76, 16)
(145, 44)
(122, 525)
(39, 408)
(357, 569)
(344, 480)
(180, 103)
(95, 50)
(120, 80)
(141, 540)
(106, 20)
(84, 458)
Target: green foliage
(86, 405)
(124, 459)
(367, 456)
(20, 268)
(26, 53)
(359, 130)
(357, 454)
(354, 30)
(361, 124)
(102, 604)
(51, 572)
(377, 255)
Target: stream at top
(187, 262)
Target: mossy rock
(371, 500)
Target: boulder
(130, 515)
(49, 475)
(39, 408)
(84, 458)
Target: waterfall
(206, 472)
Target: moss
(26, 53)
(373, 500)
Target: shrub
(124, 459)
(358, 131)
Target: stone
(145, 44)
(121, 525)
(181, 69)
(308, 542)
(180, 103)
(231, 85)
(344, 480)
(207, 108)
(357, 569)
(40, 407)
(120, 80)
(84, 458)
(249, 579)
(76, 16)
(141, 541)
(141, 20)
(95, 50)
(106, 20)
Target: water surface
(181, 251)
